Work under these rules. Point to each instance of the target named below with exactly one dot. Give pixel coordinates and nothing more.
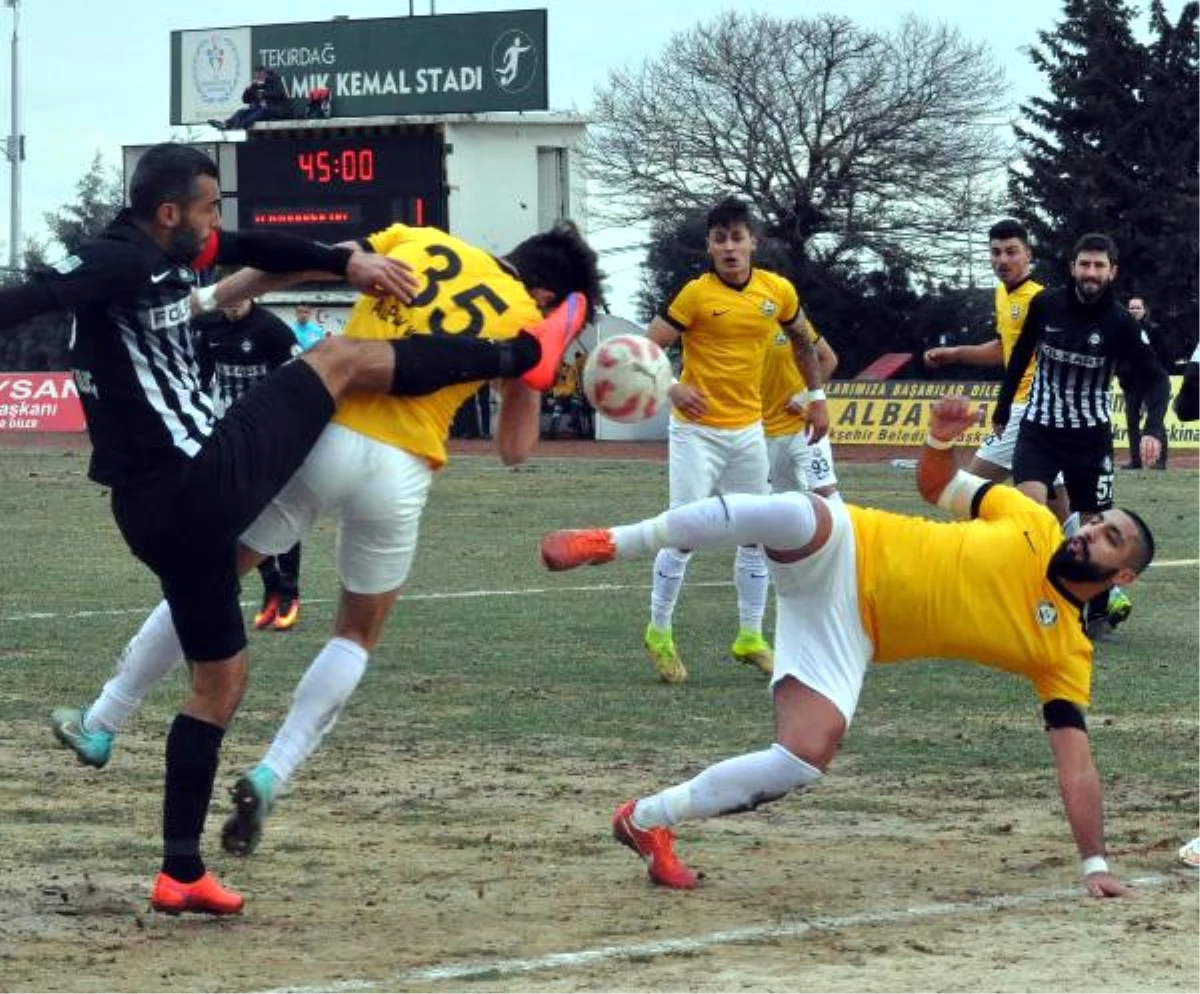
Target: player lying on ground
(857, 585)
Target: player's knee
(790, 772)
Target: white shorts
(797, 464)
(704, 462)
(377, 493)
(999, 449)
(819, 634)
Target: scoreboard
(338, 187)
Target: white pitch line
(448, 595)
(696, 943)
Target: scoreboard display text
(340, 187)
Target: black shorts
(1084, 456)
(185, 527)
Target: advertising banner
(896, 412)
(45, 402)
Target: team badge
(1093, 339)
(1014, 311)
(1047, 614)
(768, 308)
(247, 346)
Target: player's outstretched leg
(253, 797)
(656, 846)
(69, 726)
(554, 333)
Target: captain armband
(1063, 714)
(958, 496)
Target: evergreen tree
(1072, 178)
(1114, 149)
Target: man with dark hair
(1012, 264)
(265, 99)
(1002, 589)
(1078, 333)
(726, 320)
(372, 469)
(168, 461)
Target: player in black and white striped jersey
(184, 485)
(1078, 333)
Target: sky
(94, 75)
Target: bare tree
(858, 148)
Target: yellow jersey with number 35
(463, 291)
(726, 331)
(974, 590)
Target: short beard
(1065, 566)
(1087, 293)
(183, 246)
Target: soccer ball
(626, 378)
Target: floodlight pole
(15, 152)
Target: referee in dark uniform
(1079, 334)
(184, 485)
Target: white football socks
(670, 566)
(727, 787)
(149, 656)
(318, 700)
(752, 581)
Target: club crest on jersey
(1014, 311)
(781, 338)
(1047, 614)
(1093, 339)
(767, 308)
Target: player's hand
(1149, 449)
(688, 399)
(381, 276)
(950, 417)
(935, 357)
(1106, 885)
(817, 418)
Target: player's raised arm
(938, 476)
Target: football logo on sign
(1047, 614)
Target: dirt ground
(424, 873)
(428, 872)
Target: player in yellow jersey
(795, 462)
(372, 468)
(726, 320)
(855, 586)
(1012, 264)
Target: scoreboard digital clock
(340, 187)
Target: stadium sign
(381, 67)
